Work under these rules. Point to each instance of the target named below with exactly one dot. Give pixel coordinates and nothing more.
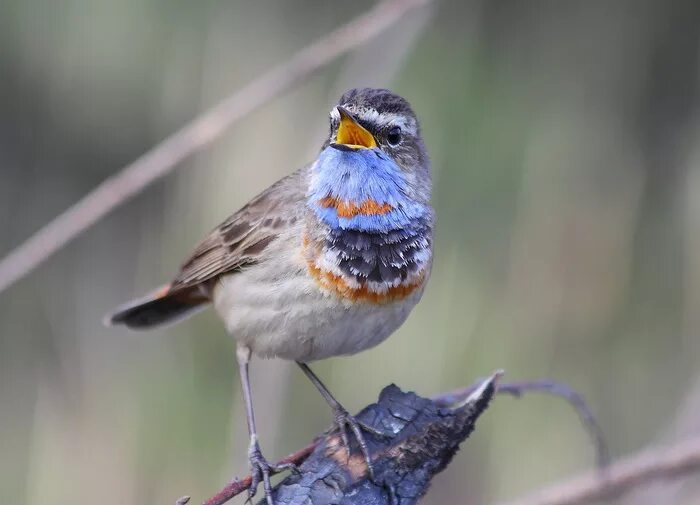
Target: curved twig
(550, 387)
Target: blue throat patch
(359, 176)
(384, 246)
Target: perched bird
(327, 261)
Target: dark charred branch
(420, 439)
(421, 436)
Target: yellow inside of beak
(351, 134)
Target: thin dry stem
(552, 388)
(238, 486)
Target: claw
(262, 470)
(342, 421)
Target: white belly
(278, 310)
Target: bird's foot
(342, 421)
(261, 470)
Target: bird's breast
(370, 267)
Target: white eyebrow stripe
(407, 124)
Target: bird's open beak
(351, 134)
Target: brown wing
(241, 239)
(237, 242)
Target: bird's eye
(394, 136)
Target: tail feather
(158, 308)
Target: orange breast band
(346, 209)
(338, 285)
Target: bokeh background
(565, 140)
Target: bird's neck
(363, 191)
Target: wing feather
(240, 240)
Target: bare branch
(451, 400)
(635, 471)
(196, 135)
(654, 464)
(418, 439)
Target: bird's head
(375, 142)
(371, 118)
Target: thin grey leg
(243, 357)
(343, 420)
(260, 468)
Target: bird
(328, 261)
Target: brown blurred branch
(194, 136)
(654, 464)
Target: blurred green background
(565, 140)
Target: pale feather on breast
(278, 310)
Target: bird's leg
(343, 420)
(261, 469)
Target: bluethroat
(328, 261)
